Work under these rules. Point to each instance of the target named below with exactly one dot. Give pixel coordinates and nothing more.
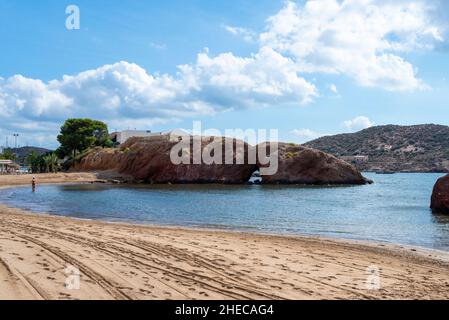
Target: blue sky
(299, 67)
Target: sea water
(394, 209)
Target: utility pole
(15, 135)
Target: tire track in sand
(106, 284)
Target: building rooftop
(9, 163)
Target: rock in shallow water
(302, 165)
(440, 196)
(148, 160)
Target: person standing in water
(33, 184)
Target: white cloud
(358, 123)
(366, 40)
(159, 46)
(362, 39)
(125, 89)
(264, 79)
(305, 135)
(333, 88)
(246, 34)
(125, 94)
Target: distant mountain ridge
(23, 152)
(417, 148)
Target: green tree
(51, 162)
(78, 135)
(108, 143)
(48, 162)
(33, 161)
(8, 155)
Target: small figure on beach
(33, 184)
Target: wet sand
(122, 261)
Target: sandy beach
(120, 261)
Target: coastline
(126, 261)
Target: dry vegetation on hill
(419, 148)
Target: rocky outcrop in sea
(302, 165)
(440, 196)
(149, 160)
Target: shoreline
(386, 246)
(98, 178)
(123, 261)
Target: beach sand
(120, 261)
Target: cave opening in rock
(255, 178)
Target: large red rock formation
(440, 196)
(148, 160)
(302, 165)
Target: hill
(418, 148)
(23, 152)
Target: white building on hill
(121, 136)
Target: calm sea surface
(394, 209)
